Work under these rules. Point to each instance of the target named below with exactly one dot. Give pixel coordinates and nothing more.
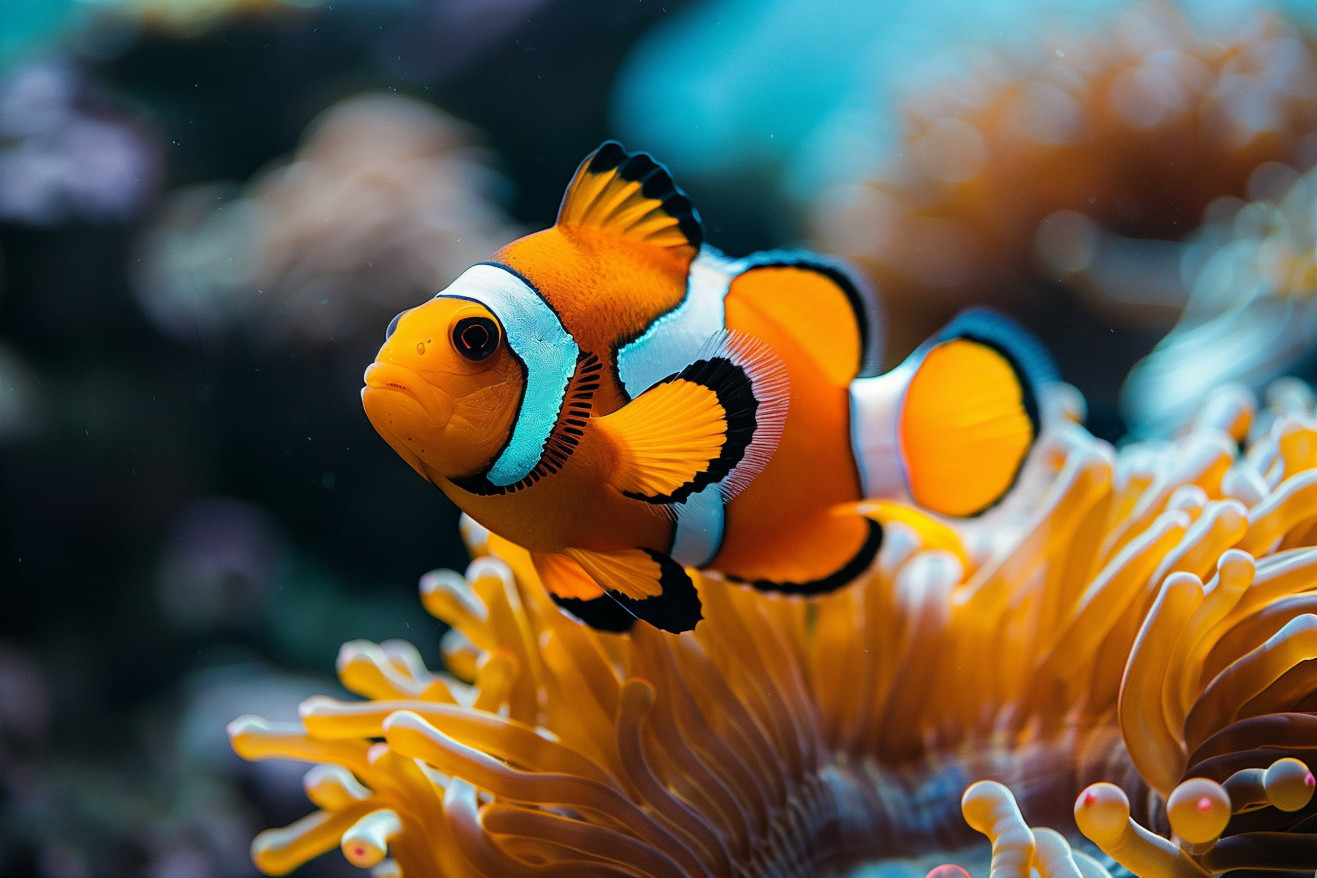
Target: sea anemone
(1137, 129)
(1139, 644)
(386, 199)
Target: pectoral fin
(649, 585)
(717, 421)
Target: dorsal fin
(631, 195)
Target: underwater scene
(658, 438)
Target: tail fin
(959, 415)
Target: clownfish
(625, 402)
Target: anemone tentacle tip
(1199, 810)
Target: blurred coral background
(210, 210)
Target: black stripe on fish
(845, 575)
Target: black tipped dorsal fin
(631, 195)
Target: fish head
(445, 387)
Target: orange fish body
(624, 402)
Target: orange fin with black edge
(631, 195)
(649, 585)
(969, 415)
(817, 556)
(717, 421)
(816, 302)
(571, 588)
(932, 533)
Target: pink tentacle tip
(1090, 798)
(947, 870)
(359, 852)
(1310, 780)
(1204, 804)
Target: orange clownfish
(625, 402)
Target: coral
(1137, 129)
(1252, 312)
(67, 153)
(385, 202)
(1137, 636)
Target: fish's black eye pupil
(393, 325)
(475, 337)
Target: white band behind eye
(538, 338)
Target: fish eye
(393, 325)
(475, 338)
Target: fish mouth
(396, 390)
